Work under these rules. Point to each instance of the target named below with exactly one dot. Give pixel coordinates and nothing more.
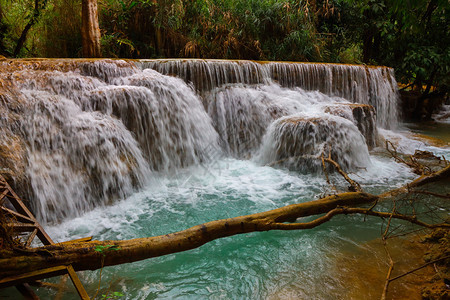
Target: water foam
(298, 141)
(98, 131)
(77, 160)
(95, 133)
(239, 266)
(359, 84)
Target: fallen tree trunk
(97, 254)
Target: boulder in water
(297, 142)
(362, 115)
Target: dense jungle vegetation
(411, 36)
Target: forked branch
(84, 256)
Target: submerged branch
(447, 196)
(420, 267)
(411, 219)
(354, 186)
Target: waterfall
(81, 134)
(358, 84)
(241, 114)
(95, 132)
(298, 141)
(76, 159)
(165, 115)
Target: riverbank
(437, 285)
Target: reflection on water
(437, 130)
(363, 269)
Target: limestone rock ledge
(297, 142)
(362, 115)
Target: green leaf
(132, 4)
(100, 248)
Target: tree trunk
(33, 20)
(90, 30)
(97, 254)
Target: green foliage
(15, 15)
(350, 55)
(116, 45)
(3, 32)
(102, 249)
(252, 29)
(410, 35)
(61, 31)
(112, 296)
(56, 32)
(299, 45)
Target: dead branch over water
(85, 255)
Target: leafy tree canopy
(410, 35)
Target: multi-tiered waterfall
(83, 133)
(122, 149)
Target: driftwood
(91, 255)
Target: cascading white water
(96, 131)
(362, 115)
(97, 136)
(77, 160)
(241, 116)
(164, 114)
(91, 132)
(207, 75)
(242, 113)
(366, 85)
(358, 84)
(298, 141)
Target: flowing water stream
(126, 149)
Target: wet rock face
(101, 68)
(11, 146)
(362, 115)
(298, 143)
(241, 117)
(13, 155)
(79, 134)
